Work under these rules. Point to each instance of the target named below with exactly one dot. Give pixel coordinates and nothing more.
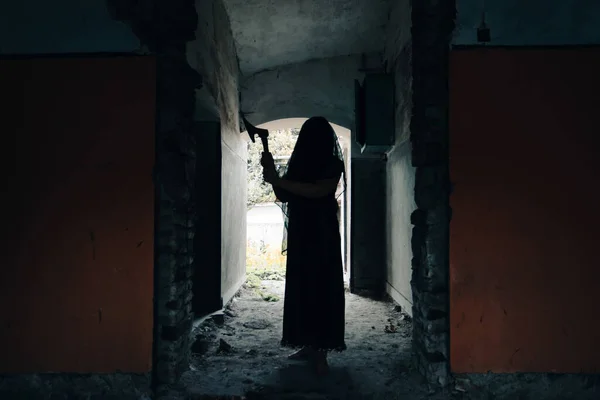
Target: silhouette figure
(314, 304)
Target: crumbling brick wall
(432, 27)
(164, 28)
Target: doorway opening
(265, 222)
(238, 351)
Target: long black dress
(314, 304)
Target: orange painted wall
(76, 275)
(525, 232)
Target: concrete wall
(524, 266)
(532, 22)
(207, 240)
(291, 91)
(499, 317)
(269, 34)
(233, 216)
(400, 203)
(76, 286)
(68, 26)
(400, 173)
(213, 55)
(367, 216)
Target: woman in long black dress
(314, 305)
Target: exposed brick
(165, 27)
(431, 185)
(429, 154)
(173, 333)
(432, 25)
(419, 233)
(418, 217)
(184, 272)
(439, 324)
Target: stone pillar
(175, 219)
(432, 26)
(164, 28)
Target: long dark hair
(315, 149)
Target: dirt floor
(241, 355)
(237, 356)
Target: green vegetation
(281, 144)
(264, 263)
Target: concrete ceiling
(271, 33)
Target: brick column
(432, 26)
(164, 28)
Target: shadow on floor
(300, 379)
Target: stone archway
(346, 142)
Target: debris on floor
(243, 356)
(224, 347)
(240, 358)
(258, 323)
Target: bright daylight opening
(240, 350)
(265, 263)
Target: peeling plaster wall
(75, 27)
(69, 26)
(269, 34)
(213, 55)
(400, 173)
(523, 248)
(530, 23)
(522, 276)
(318, 87)
(77, 286)
(164, 29)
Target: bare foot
(303, 354)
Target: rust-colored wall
(76, 275)
(525, 232)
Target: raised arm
(269, 170)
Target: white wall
(400, 174)
(213, 55)
(400, 204)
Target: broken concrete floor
(238, 356)
(242, 355)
